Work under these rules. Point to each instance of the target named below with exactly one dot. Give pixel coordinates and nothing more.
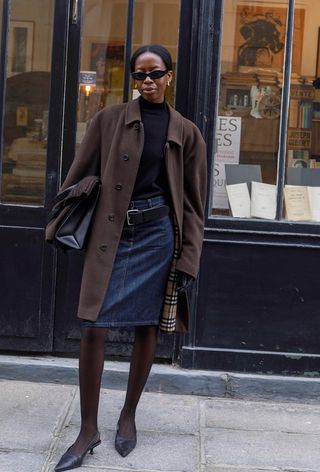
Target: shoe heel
(94, 445)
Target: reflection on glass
(303, 144)
(103, 43)
(102, 59)
(252, 59)
(158, 23)
(27, 102)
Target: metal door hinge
(75, 11)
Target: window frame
(4, 38)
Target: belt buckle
(129, 212)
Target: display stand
(304, 177)
(243, 173)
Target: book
(29, 172)
(263, 200)
(293, 114)
(314, 202)
(297, 204)
(239, 200)
(300, 115)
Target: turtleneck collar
(151, 105)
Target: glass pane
(247, 138)
(157, 22)
(302, 203)
(102, 59)
(27, 102)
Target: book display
(254, 199)
(261, 203)
(300, 126)
(302, 203)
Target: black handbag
(74, 209)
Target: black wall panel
(24, 312)
(262, 298)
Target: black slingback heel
(70, 460)
(124, 446)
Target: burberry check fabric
(168, 317)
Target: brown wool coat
(111, 149)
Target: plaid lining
(169, 313)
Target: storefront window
(247, 135)
(247, 158)
(27, 102)
(302, 189)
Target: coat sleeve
(194, 199)
(87, 159)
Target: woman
(152, 165)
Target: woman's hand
(184, 281)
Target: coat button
(136, 126)
(118, 187)
(103, 248)
(111, 217)
(125, 157)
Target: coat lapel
(175, 128)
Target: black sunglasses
(155, 74)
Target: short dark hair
(155, 49)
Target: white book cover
(239, 200)
(314, 202)
(263, 200)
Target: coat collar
(175, 127)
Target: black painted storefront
(255, 307)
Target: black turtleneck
(151, 179)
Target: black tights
(90, 371)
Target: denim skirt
(137, 286)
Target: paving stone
(261, 416)
(18, 461)
(261, 450)
(233, 469)
(30, 415)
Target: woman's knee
(93, 335)
(146, 331)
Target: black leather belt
(137, 217)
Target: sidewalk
(176, 433)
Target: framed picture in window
(260, 37)
(20, 47)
